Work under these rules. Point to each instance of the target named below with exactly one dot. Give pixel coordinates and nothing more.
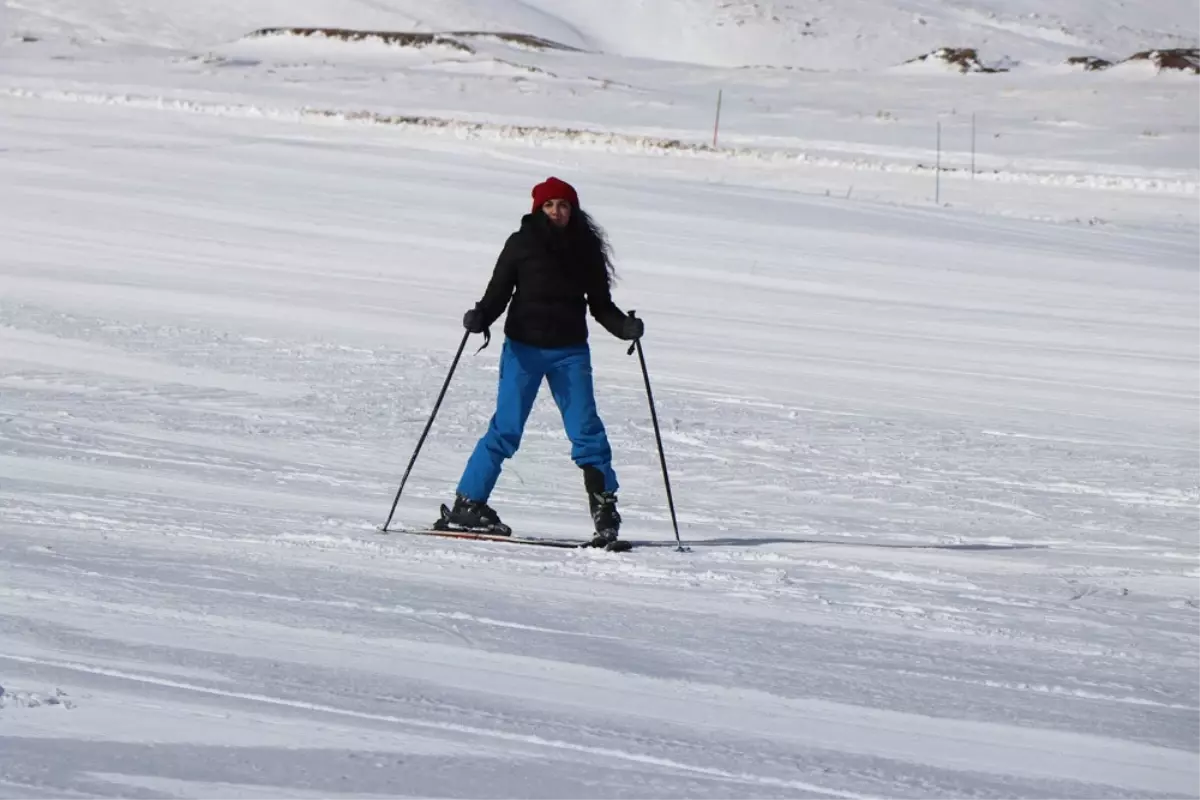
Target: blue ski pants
(568, 370)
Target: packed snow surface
(934, 437)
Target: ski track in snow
(937, 471)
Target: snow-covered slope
(849, 34)
(1125, 131)
(937, 470)
(931, 412)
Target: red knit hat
(554, 189)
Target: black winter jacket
(551, 285)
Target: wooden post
(937, 190)
(972, 145)
(717, 123)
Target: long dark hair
(592, 242)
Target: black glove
(473, 321)
(632, 328)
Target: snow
(936, 462)
(811, 34)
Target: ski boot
(603, 506)
(475, 516)
(606, 519)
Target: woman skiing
(554, 269)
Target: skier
(554, 269)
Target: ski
(618, 546)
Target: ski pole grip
(632, 347)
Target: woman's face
(559, 212)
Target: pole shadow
(763, 541)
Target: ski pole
(662, 459)
(428, 425)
